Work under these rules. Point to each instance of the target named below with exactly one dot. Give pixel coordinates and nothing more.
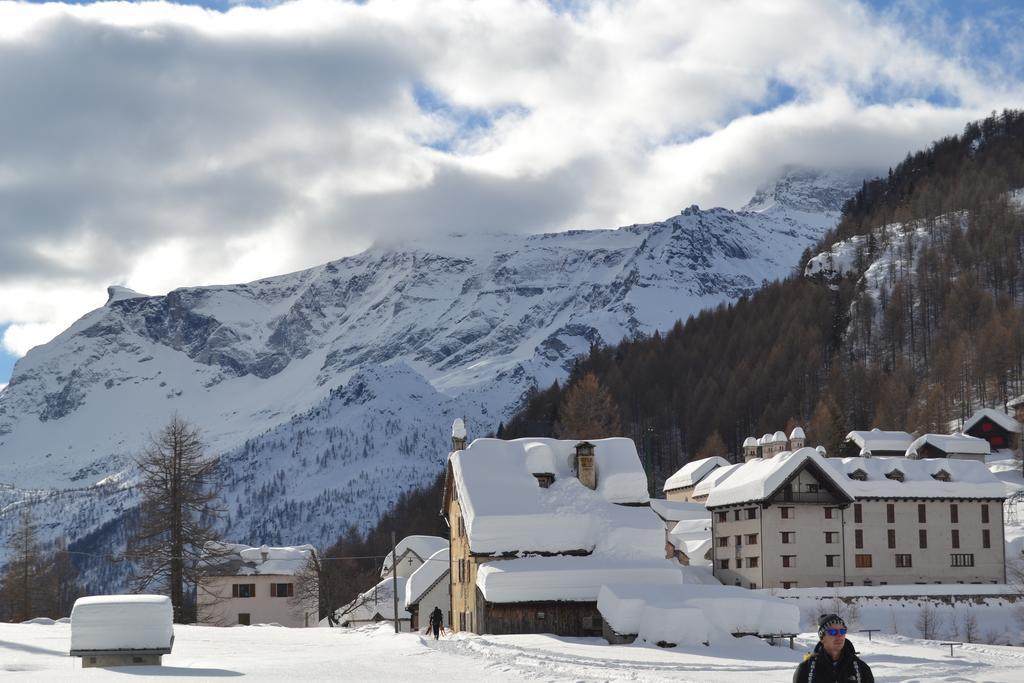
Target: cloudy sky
(157, 145)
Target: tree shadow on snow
(34, 649)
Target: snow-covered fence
(119, 630)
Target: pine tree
(588, 411)
(177, 513)
(22, 589)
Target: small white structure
(245, 585)
(375, 605)
(877, 443)
(429, 587)
(121, 630)
(679, 487)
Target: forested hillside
(912, 318)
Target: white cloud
(157, 145)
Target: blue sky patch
(468, 122)
(6, 359)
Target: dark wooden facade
(560, 618)
(997, 436)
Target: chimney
(749, 449)
(264, 552)
(458, 435)
(585, 468)
(797, 439)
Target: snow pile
(505, 509)
(121, 622)
(421, 547)
(950, 443)
(568, 578)
(426, 575)
(692, 472)
(238, 559)
(692, 613)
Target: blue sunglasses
(836, 631)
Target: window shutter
(273, 590)
(291, 590)
(234, 590)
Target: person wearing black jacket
(834, 660)
(436, 621)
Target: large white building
(798, 519)
(245, 585)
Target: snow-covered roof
(878, 440)
(376, 600)
(459, 428)
(569, 578)
(426, 575)
(121, 622)
(950, 443)
(422, 546)
(238, 559)
(692, 472)
(675, 510)
(505, 509)
(760, 478)
(797, 433)
(779, 436)
(716, 612)
(749, 442)
(996, 416)
(967, 478)
(705, 486)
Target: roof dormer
(858, 474)
(895, 474)
(941, 475)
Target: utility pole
(394, 579)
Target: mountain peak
(807, 190)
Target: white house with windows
(244, 585)
(798, 519)
(428, 587)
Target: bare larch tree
(176, 482)
(20, 582)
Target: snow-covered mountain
(329, 391)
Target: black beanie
(827, 621)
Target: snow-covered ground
(38, 652)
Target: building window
(282, 590)
(243, 590)
(723, 564)
(858, 538)
(892, 538)
(722, 517)
(787, 560)
(735, 515)
(752, 562)
(739, 540)
(751, 539)
(862, 561)
(922, 538)
(789, 584)
(723, 541)
(857, 513)
(956, 538)
(788, 536)
(812, 488)
(984, 513)
(751, 513)
(954, 514)
(961, 560)
(831, 584)
(786, 512)
(828, 513)
(890, 513)
(986, 539)
(903, 560)
(753, 586)
(243, 619)
(831, 560)
(831, 537)
(922, 517)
